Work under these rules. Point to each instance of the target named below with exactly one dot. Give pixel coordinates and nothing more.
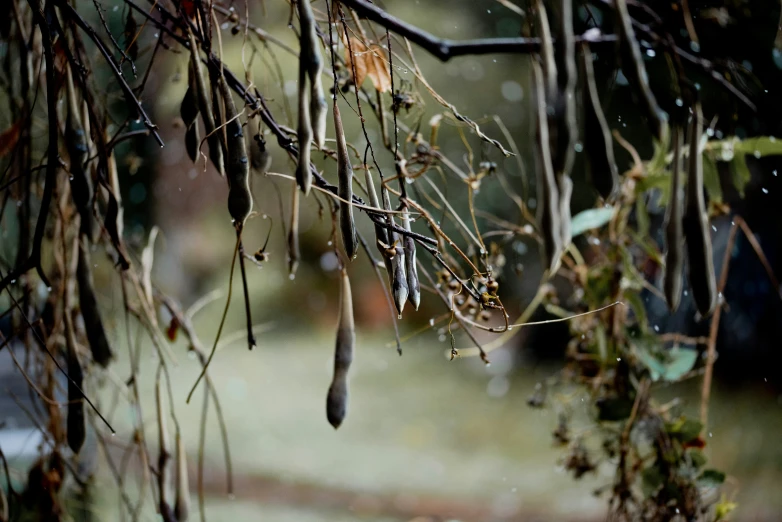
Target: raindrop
(765, 190)
(774, 172)
(579, 147)
(618, 359)
(756, 154)
(651, 53)
(679, 102)
(656, 328)
(714, 228)
(431, 321)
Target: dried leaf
(369, 62)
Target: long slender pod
(188, 110)
(598, 145)
(413, 286)
(347, 224)
(237, 165)
(164, 454)
(548, 61)
(337, 397)
(634, 69)
(548, 193)
(77, 428)
(396, 256)
(700, 261)
(294, 253)
(304, 134)
(674, 232)
(565, 106)
(311, 57)
(76, 143)
(205, 106)
(93, 323)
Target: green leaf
(638, 308)
(685, 429)
(741, 173)
(651, 480)
(697, 458)
(711, 178)
(760, 146)
(723, 508)
(590, 219)
(680, 362)
(642, 215)
(614, 409)
(711, 478)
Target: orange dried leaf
(367, 61)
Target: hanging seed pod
(598, 145)
(548, 62)
(188, 110)
(77, 428)
(345, 174)
(696, 226)
(565, 193)
(76, 143)
(311, 59)
(237, 166)
(395, 255)
(304, 133)
(337, 398)
(674, 232)
(565, 106)
(205, 108)
(413, 286)
(119, 219)
(634, 69)
(548, 194)
(294, 253)
(381, 234)
(182, 501)
(93, 324)
(260, 158)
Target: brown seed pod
(77, 428)
(634, 69)
(304, 134)
(674, 232)
(188, 110)
(294, 253)
(205, 107)
(565, 105)
(565, 192)
(548, 62)
(164, 453)
(700, 261)
(398, 274)
(182, 500)
(311, 59)
(337, 397)
(413, 286)
(598, 145)
(548, 194)
(237, 165)
(347, 224)
(93, 324)
(76, 143)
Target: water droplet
(765, 190)
(656, 328)
(686, 293)
(578, 147)
(714, 228)
(329, 243)
(431, 321)
(695, 46)
(618, 359)
(679, 102)
(756, 153)
(291, 276)
(399, 316)
(774, 172)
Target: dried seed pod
(294, 253)
(634, 69)
(93, 324)
(304, 134)
(260, 158)
(4, 514)
(337, 398)
(77, 428)
(76, 143)
(548, 61)
(674, 232)
(548, 194)
(205, 108)
(565, 105)
(413, 286)
(188, 110)
(696, 226)
(395, 255)
(565, 193)
(345, 174)
(598, 145)
(182, 501)
(310, 58)
(237, 165)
